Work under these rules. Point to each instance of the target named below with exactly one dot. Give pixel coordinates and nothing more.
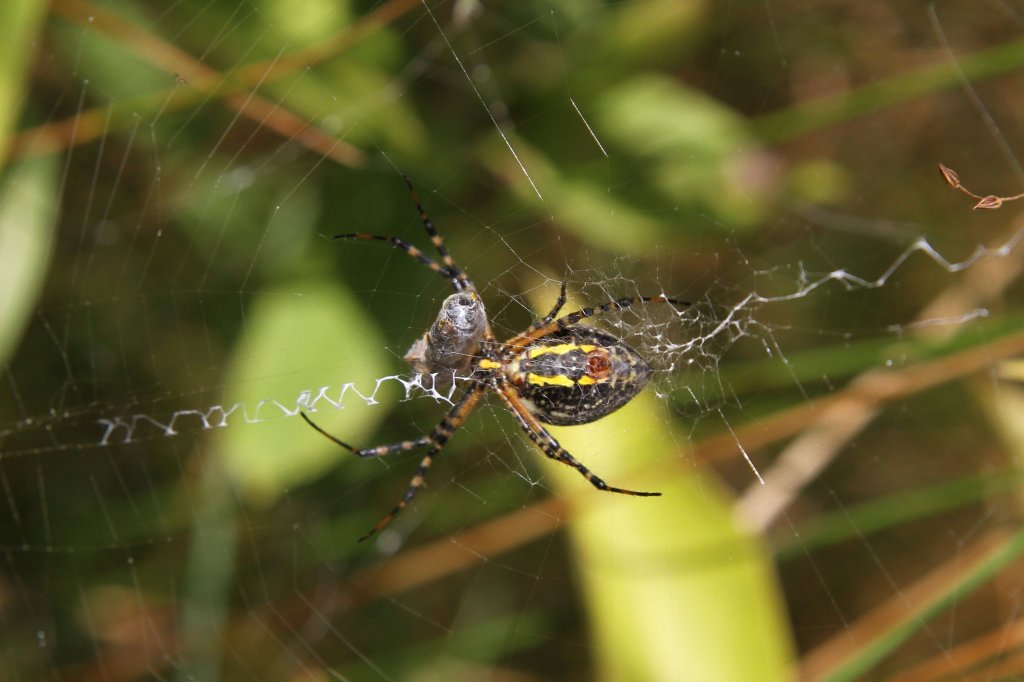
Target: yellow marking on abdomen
(557, 380)
(489, 364)
(560, 349)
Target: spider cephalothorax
(556, 372)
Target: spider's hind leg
(439, 437)
(378, 451)
(536, 432)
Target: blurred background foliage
(170, 172)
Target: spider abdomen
(577, 375)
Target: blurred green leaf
(821, 112)
(317, 20)
(116, 69)
(579, 206)
(294, 343)
(697, 150)
(670, 573)
(222, 210)
(21, 20)
(649, 33)
(360, 103)
(28, 211)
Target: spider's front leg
(554, 310)
(550, 325)
(447, 268)
(540, 324)
(536, 432)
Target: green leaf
(655, 569)
(674, 589)
(21, 21)
(292, 344)
(696, 149)
(28, 213)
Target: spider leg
(454, 270)
(554, 311)
(378, 451)
(548, 326)
(458, 279)
(439, 437)
(548, 317)
(536, 432)
(450, 271)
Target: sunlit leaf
(294, 343)
(666, 574)
(21, 20)
(27, 214)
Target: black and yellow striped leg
(549, 446)
(438, 242)
(554, 310)
(439, 437)
(547, 318)
(449, 270)
(549, 326)
(457, 279)
(378, 451)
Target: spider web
(832, 421)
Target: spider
(555, 372)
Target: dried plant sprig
(990, 201)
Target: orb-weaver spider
(556, 372)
